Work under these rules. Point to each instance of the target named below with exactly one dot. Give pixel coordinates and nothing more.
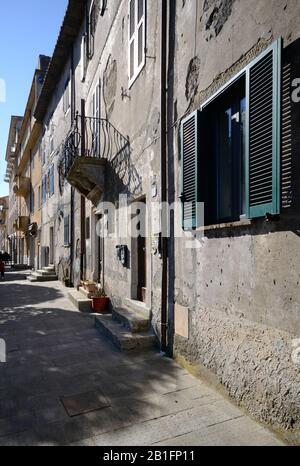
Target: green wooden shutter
(189, 170)
(263, 89)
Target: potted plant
(90, 286)
(66, 279)
(65, 273)
(100, 302)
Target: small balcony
(92, 145)
(22, 187)
(21, 224)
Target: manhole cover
(84, 403)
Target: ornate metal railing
(92, 137)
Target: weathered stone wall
(135, 114)
(241, 287)
(57, 205)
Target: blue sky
(27, 29)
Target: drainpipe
(72, 189)
(82, 201)
(163, 168)
(29, 241)
(171, 171)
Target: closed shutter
(66, 230)
(263, 83)
(52, 180)
(189, 170)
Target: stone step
(131, 319)
(137, 306)
(37, 277)
(49, 268)
(85, 293)
(20, 267)
(46, 272)
(80, 302)
(122, 338)
(32, 279)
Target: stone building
(188, 103)
(4, 202)
(238, 293)
(15, 126)
(24, 177)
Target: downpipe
(163, 167)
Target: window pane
(225, 165)
(140, 10)
(132, 17)
(132, 59)
(140, 44)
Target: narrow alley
(64, 384)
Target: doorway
(142, 256)
(99, 236)
(32, 252)
(51, 254)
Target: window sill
(220, 226)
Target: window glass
(140, 44)
(132, 17)
(66, 230)
(87, 228)
(140, 9)
(225, 164)
(132, 59)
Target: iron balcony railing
(92, 137)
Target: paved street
(53, 351)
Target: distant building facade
(24, 177)
(4, 207)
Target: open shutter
(263, 85)
(189, 170)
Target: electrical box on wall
(122, 253)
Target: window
(103, 7)
(44, 189)
(230, 148)
(67, 96)
(137, 38)
(39, 197)
(87, 228)
(95, 112)
(83, 56)
(43, 152)
(32, 161)
(66, 230)
(93, 17)
(97, 8)
(51, 143)
(32, 201)
(51, 180)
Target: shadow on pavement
(54, 352)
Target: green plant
(99, 293)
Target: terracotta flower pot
(101, 304)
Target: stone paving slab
(54, 351)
